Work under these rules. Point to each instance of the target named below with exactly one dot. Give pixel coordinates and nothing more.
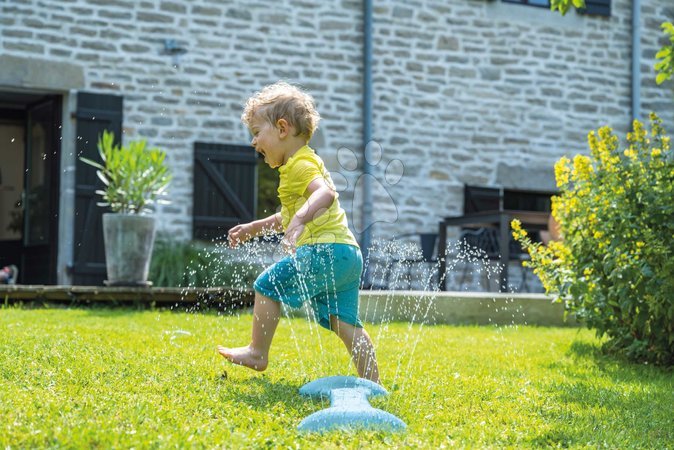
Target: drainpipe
(636, 60)
(366, 237)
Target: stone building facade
(464, 92)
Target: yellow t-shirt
(328, 226)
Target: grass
(122, 378)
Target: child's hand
(239, 234)
(293, 233)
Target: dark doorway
(30, 149)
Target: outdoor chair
(486, 240)
(428, 242)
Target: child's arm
(245, 231)
(321, 197)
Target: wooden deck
(219, 296)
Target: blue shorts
(327, 275)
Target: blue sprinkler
(349, 406)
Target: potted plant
(135, 178)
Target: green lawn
(104, 378)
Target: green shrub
(134, 176)
(198, 264)
(614, 267)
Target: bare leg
(360, 346)
(266, 314)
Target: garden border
(220, 296)
(463, 308)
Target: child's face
(266, 140)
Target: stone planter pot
(129, 239)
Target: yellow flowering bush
(614, 266)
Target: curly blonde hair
(283, 101)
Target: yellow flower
(630, 153)
(581, 167)
(516, 224)
(518, 232)
(559, 250)
(562, 172)
(656, 152)
(557, 207)
(639, 131)
(593, 143)
(598, 234)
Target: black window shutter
(225, 188)
(95, 113)
(597, 7)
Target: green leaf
(91, 163)
(102, 177)
(663, 53)
(668, 27)
(563, 6)
(133, 174)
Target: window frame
(527, 3)
(592, 7)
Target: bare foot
(244, 356)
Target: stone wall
(233, 49)
(658, 98)
(467, 91)
(491, 93)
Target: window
(592, 7)
(597, 7)
(542, 3)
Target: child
(325, 265)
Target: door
(95, 113)
(41, 192)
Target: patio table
(531, 220)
